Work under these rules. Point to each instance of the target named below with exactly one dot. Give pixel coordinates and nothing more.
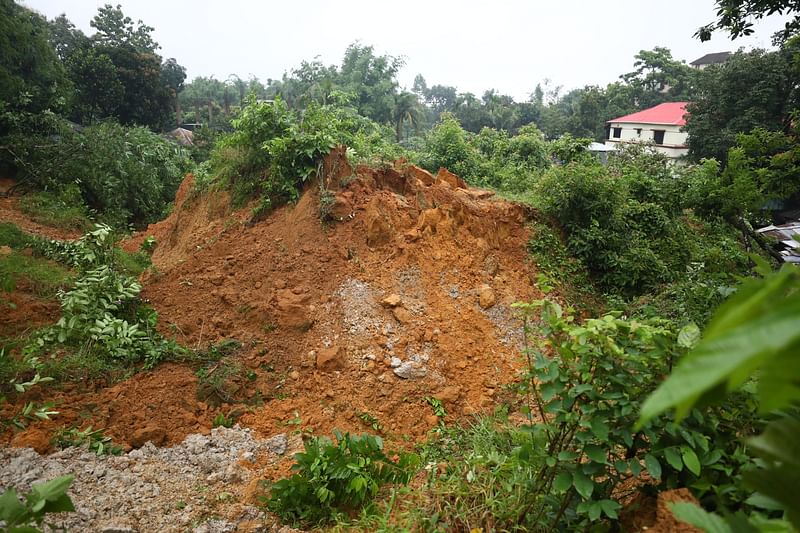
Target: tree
(98, 90)
(66, 38)
(659, 78)
(754, 89)
(31, 77)
(406, 109)
(116, 30)
(736, 17)
(371, 79)
(172, 76)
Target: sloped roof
(670, 113)
(712, 59)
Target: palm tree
(406, 109)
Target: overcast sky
(508, 45)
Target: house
(717, 58)
(660, 125)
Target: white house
(660, 124)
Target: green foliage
(63, 208)
(44, 278)
(31, 77)
(584, 390)
(222, 421)
(332, 478)
(753, 334)
(44, 498)
(102, 313)
(126, 175)
(93, 439)
(274, 152)
(750, 90)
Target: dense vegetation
(665, 256)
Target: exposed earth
(404, 294)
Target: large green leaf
(583, 484)
(726, 359)
(690, 513)
(653, 466)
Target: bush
(102, 312)
(333, 478)
(126, 175)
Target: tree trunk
(748, 232)
(178, 112)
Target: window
(658, 136)
(638, 132)
(617, 133)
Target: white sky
(509, 45)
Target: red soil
(304, 299)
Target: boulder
(414, 172)
(411, 370)
(332, 358)
(402, 315)
(393, 300)
(486, 297)
(445, 176)
(155, 434)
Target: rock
(449, 394)
(294, 374)
(411, 370)
(330, 358)
(395, 362)
(393, 300)
(5, 250)
(414, 172)
(486, 297)
(156, 435)
(432, 420)
(479, 194)
(402, 315)
(445, 176)
(32, 437)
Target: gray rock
(411, 370)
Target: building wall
(674, 144)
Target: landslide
(351, 324)
(406, 295)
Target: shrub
(101, 313)
(125, 174)
(332, 478)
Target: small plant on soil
(93, 439)
(28, 515)
(332, 478)
(222, 421)
(371, 421)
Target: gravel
(197, 485)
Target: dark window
(617, 133)
(658, 136)
(638, 132)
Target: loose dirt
(307, 299)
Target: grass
(45, 277)
(61, 210)
(12, 236)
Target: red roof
(670, 113)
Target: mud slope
(407, 296)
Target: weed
(13, 237)
(371, 421)
(436, 405)
(222, 421)
(269, 327)
(93, 439)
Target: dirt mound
(307, 299)
(351, 324)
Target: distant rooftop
(711, 59)
(670, 113)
